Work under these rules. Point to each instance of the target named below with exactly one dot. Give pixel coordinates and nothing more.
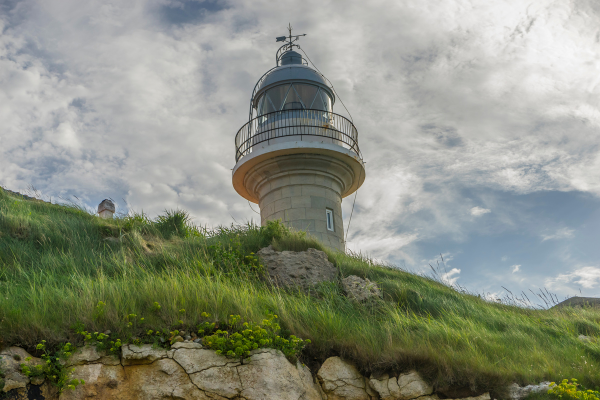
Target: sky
(478, 120)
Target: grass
(57, 263)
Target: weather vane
(289, 38)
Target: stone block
(283, 204)
(296, 225)
(301, 202)
(279, 182)
(278, 215)
(338, 224)
(332, 195)
(269, 209)
(313, 190)
(302, 179)
(315, 213)
(337, 187)
(331, 204)
(308, 225)
(290, 191)
(317, 202)
(321, 226)
(294, 214)
(270, 197)
(320, 180)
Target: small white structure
(295, 157)
(106, 209)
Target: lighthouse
(295, 157)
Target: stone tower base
(298, 189)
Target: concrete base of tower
(304, 191)
(301, 183)
(301, 201)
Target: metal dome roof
(291, 57)
(293, 73)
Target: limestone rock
(101, 382)
(223, 381)
(584, 338)
(189, 374)
(516, 392)
(163, 379)
(407, 386)
(182, 345)
(342, 381)
(360, 289)
(381, 386)
(411, 386)
(303, 269)
(10, 364)
(144, 354)
(268, 375)
(89, 355)
(196, 360)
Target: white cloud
(478, 211)
(451, 276)
(108, 100)
(515, 268)
(562, 233)
(504, 258)
(587, 277)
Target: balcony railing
(307, 125)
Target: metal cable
(352, 212)
(334, 91)
(252, 208)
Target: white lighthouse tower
(295, 157)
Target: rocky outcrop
(188, 371)
(10, 365)
(360, 289)
(516, 392)
(406, 387)
(303, 269)
(341, 380)
(90, 355)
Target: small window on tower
(329, 214)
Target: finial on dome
(288, 47)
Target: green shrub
(273, 230)
(52, 368)
(101, 341)
(239, 341)
(297, 241)
(175, 223)
(570, 389)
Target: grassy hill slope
(57, 263)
